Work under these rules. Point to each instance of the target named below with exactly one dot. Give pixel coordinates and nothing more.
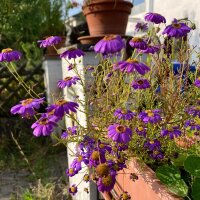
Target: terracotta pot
(146, 187)
(51, 52)
(107, 16)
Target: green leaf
(192, 165)
(196, 189)
(180, 160)
(171, 177)
(179, 188)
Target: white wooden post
(88, 60)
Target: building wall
(170, 9)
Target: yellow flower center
(125, 196)
(7, 50)
(101, 146)
(121, 129)
(95, 155)
(137, 39)
(140, 128)
(176, 25)
(71, 171)
(149, 113)
(198, 78)
(109, 37)
(102, 170)
(26, 102)
(86, 177)
(67, 78)
(130, 60)
(73, 189)
(80, 158)
(140, 82)
(61, 102)
(107, 180)
(43, 121)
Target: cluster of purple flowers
(93, 153)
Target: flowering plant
(142, 107)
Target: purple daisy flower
(73, 189)
(27, 107)
(124, 115)
(172, 133)
(70, 131)
(197, 82)
(9, 55)
(76, 164)
(119, 133)
(152, 145)
(72, 53)
(150, 49)
(151, 116)
(141, 131)
(132, 65)
(110, 44)
(51, 115)
(141, 26)
(106, 183)
(192, 125)
(177, 29)
(155, 18)
(140, 84)
(194, 111)
(138, 43)
(71, 172)
(68, 81)
(43, 127)
(49, 41)
(97, 156)
(62, 107)
(157, 155)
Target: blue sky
(77, 10)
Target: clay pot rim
(116, 6)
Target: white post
(88, 60)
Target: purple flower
(64, 135)
(132, 65)
(43, 127)
(62, 107)
(110, 44)
(9, 55)
(106, 183)
(68, 81)
(152, 145)
(119, 133)
(177, 29)
(140, 84)
(172, 133)
(72, 53)
(194, 111)
(192, 125)
(138, 43)
(76, 164)
(51, 116)
(141, 26)
(197, 82)
(49, 41)
(71, 172)
(141, 131)
(27, 107)
(155, 18)
(157, 155)
(151, 116)
(150, 49)
(125, 115)
(97, 156)
(73, 189)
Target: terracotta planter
(107, 16)
(146, 187)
